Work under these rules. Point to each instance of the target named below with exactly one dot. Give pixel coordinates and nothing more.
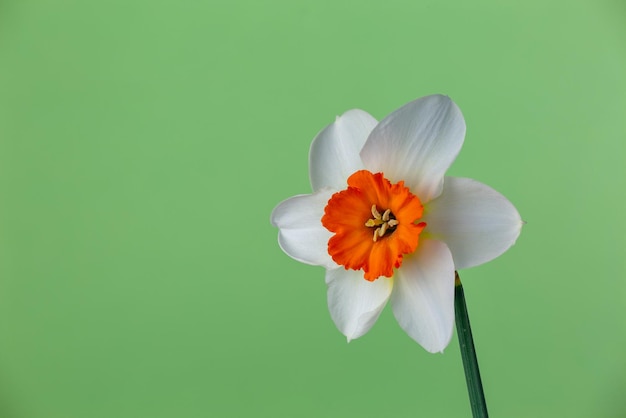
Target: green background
(143, 145)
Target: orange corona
(374, 224)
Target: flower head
(387, 225)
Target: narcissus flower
(386, 224)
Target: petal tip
(437, 345)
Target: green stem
(468, 353)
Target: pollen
(366, 239)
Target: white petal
(475, 221)
(423, 295)
(301, 233)
(417, 143)
(354, 302)
(334, 153)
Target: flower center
(385, 223)
(364, 239)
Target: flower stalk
(468, 353)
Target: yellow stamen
(383, 229)
(375, 212)
(383, 222)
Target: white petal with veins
(423, 295)
(301, 233)
(476, 222)
(354, 302)
(334, 153)
(417, 143)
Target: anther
(375, 212)
(383, 223)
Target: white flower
(386, 224)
